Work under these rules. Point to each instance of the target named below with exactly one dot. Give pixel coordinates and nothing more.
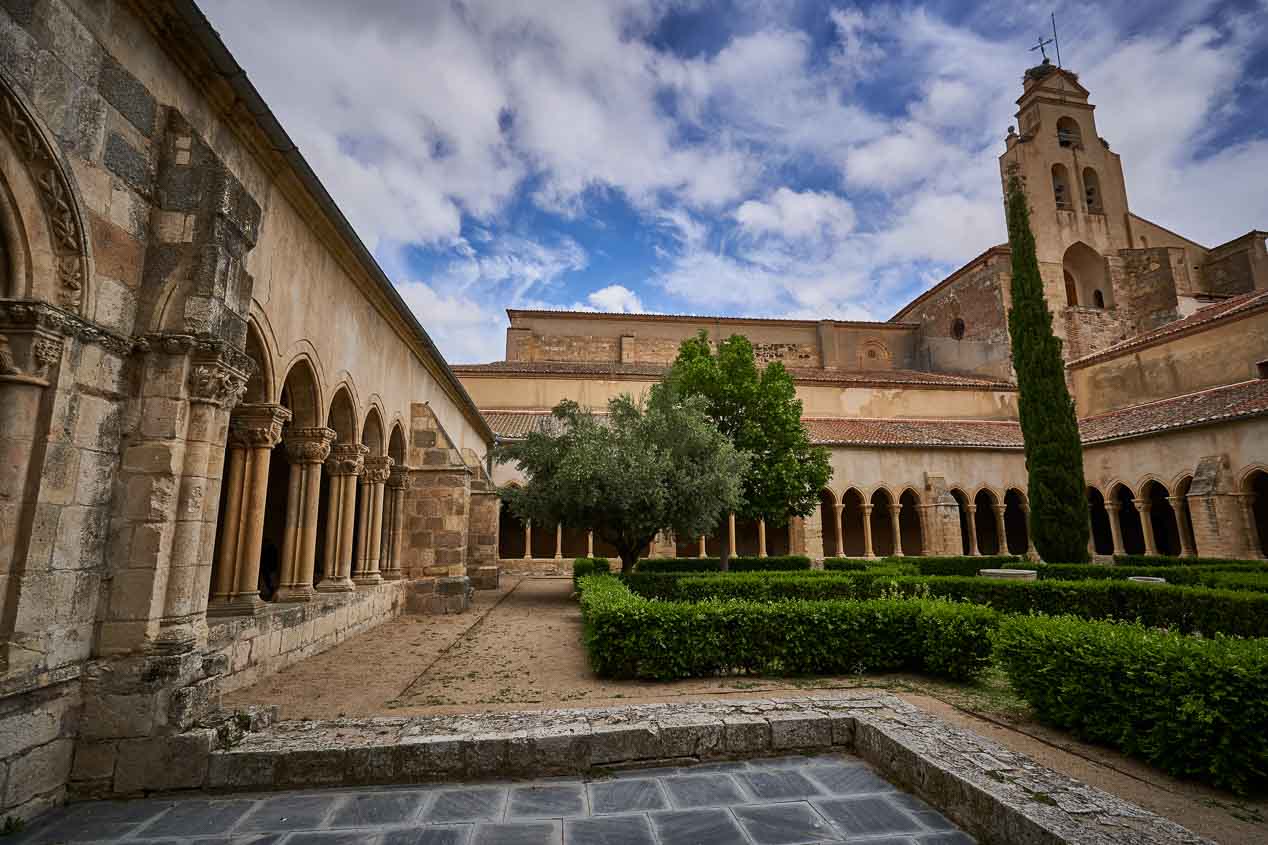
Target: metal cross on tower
(1044, 42)
(1040, 47)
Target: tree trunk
(628, 559)
(724, 563)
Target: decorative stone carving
(258, 426)
(309, 445)
(347, 459)
(31, 314)
(216, 384)
(8, 367)
(45, 167)
(398, 477)
(377, 470)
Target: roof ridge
(1178, 397)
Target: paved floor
(831, 798)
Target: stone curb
(995, 794)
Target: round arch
(1016, 525)
(1130, 529)
(301, 393)
(260, 384)
(910, 525)
(1254, 483)
(1102, 533)
(372, 432)
(1086, 270)
(832, 544)
(396, 444)
(342, 416)
(989, 541)
(882, 524)
(962, 505)
(852, 540)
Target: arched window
(1071, 290)
(1086, 273)
(1068, 134)
(1098, 299)
(1061, 187)
(958, 328)
(1092, 191)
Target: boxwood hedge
(1192, 707)
(584, 566)
(963, 564)
(1190, 575)
(1164, 560)
(773, 563)
(628, 636)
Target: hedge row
(1192, 707)
(584, 566)
(628, 636)
(964, 564)
(1190, 575)
(1164, 560)
(773, 563)
(1187, 609)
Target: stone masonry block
(746, 734)
(128, 95)
(690, 735)
(241, 770)
(624, 741)
(426, 758)
(799, 729)
(40, 770)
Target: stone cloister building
(1166, 343)
(226, 444)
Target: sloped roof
(1218, 404)
(960, 434)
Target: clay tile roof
(960, 434)
(908, 378)
(513, 425)
(1228, 309)
(1218, 404)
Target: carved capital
(398, 479)
(377, 469)
(309, 445)
(346, 459)
(258, 426)
(215, 383)
(17, 315)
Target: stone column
(528, 539)
(395, 513)
(253, 432)
(1030, 535)
(971, 510)
(559, 541)
(1178, 504)
(894, 511)
(307, 449)
(704, 547)
(344, 466)
(840, 544)
(867, 530)
(1116, 528)
(730, 532)
(1000, 531)
(370, 536)
(1145, 509)
(761, 536)
(589, 544)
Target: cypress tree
(1054, 452)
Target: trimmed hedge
(628, 636)
(1188, 609)
(1192, 707)
(583, 566)
(774, 563)
(1164, 560)
(964, 564)
(1190, 575)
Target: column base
(391, 575)
(251, 605)
(367, 580)
(336, 585)
(289, 595)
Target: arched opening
(909, 524)
(1092, 191)
(1071, 290)
(1257, 487)
(342, 419)
(510, 535)
(1162, 519)
(1188, 543)
(882, 524)
(543, 541)
(962, 504)
(958, 328)
(258, 387)
(575, 542)
(777, 538)
(1068, 132)
(987, 528)
(299, 393)
(852, 523)
(1132, 532)
(1016, 530)
(828, 523)
(396, 446)
(1061, 188)
(1102, 533)
(746, 538)
(1084, 269)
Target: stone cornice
(32, 314)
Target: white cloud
(616, 299)
(793, 214)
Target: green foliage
(760, 413)
(1186, 609)
(1192, 707)
(965, 564)
(1165, 560)
(649, 467)
(1054, 452)
(628, 636)
(772, 563)
(1190, 575)
(679, 564)
(877, 565)
(583, 566)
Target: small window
(1071, 290)
(957, 328)
(1098, 298)
(1068, 134)
(1092, 191)
(1061, 187)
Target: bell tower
(1078, 203)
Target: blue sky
(759, 157)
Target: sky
(768, 158)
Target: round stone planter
(1010, 574)
(1147, 579)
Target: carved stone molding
(346, 459)
(398, 478)
(214, 383)
(255, 426)
(44, 165)
(377, 469)
(29, 315)
(309, 445)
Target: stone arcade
(227, 444)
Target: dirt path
(520, 648)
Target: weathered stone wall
(1236, 267)
(1145, 293)
(1088, 330)
(972, 307)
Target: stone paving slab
(996, 794)
(691, 805)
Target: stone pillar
(370, 536)
(528, 539)
(559, 541)
(1179, 507)
(307, 449)
(395, 513)
(840, 540)
(344, 466)
(761, 536)
(730, 533)
(590, 543)
(253, 432)
(1030, 535)
(894, 511)
(999, 529)
(971, 510)
(813, 532)
(867, 530)
(1116, 528)
(704, 547)
(1145, 509)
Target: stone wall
(1238, 266)
(1145, 292)
(972, 307)
(1088, 330)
